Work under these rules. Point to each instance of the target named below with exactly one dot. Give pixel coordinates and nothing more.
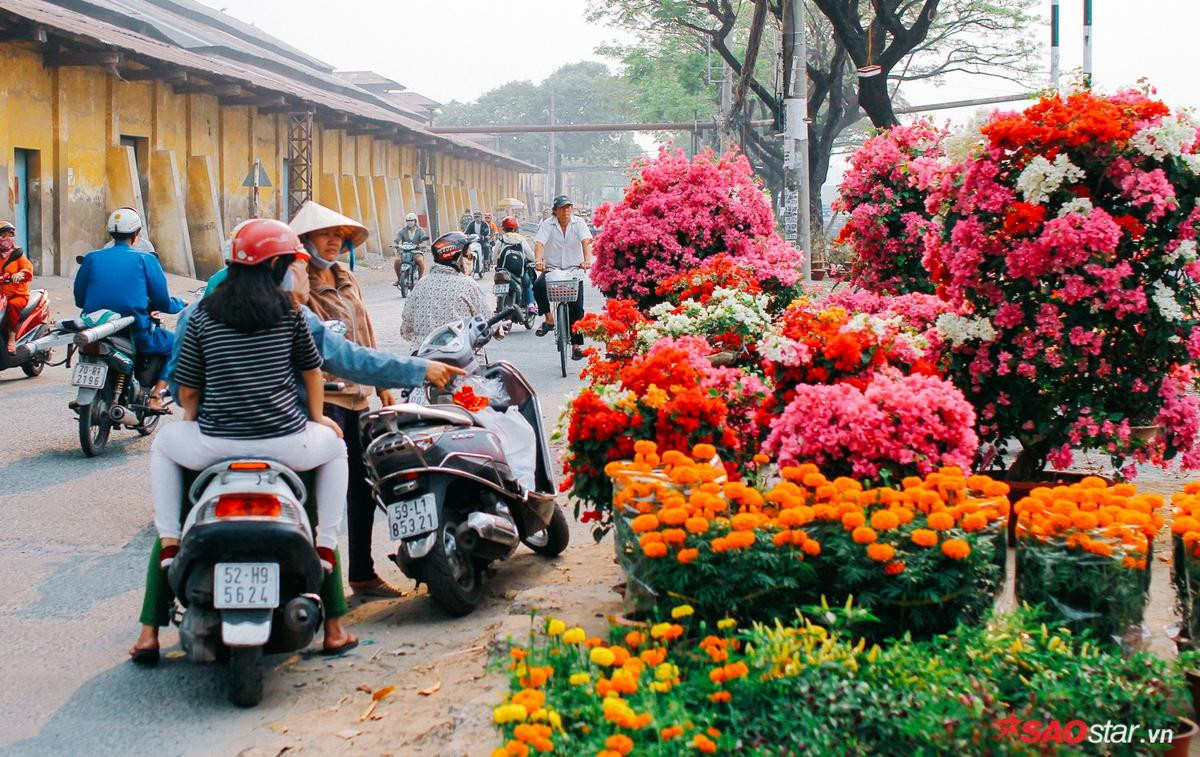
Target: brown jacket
(342, 302)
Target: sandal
(147, 658)
(341, 649)
(375, 589)
(544, 329)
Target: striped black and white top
(248, 380)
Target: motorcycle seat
(407, 413)
(35, 298)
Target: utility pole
(1087, 43)
(1054, 65)
(797, 218)
(553, 161)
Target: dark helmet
(509, 224)
(450, 247)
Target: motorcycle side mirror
(79, 260)
(337, 327)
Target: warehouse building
(201, 121)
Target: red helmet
(510, 224)
(261, 239)
(450, 247)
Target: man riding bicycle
(562, 241)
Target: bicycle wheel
(562, 333)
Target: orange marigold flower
(956, 549)
(643, 523)
(881, 552)
(974, 521)
(703, 743)
(670, 732)
(619, 743)
(1084, 521)
(673, 516)
(812, 547)
(674, 536)
(530, 699)
(696, 525)
(635, 639)
(688, 556)
(923, 537)
(645, 447)
(782, 538)
(894, 568)
(654, 549)
(744, 522)
(650, 537)
(940, 521)
(517, 653)
(704, 452)
(864, 535)
(884, 520)
(813, 480)
(720, 696)
(761, 459)
(740, 539)
(1184, 523)
(853, 520)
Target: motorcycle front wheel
(455, 579)
(94, 424)
(406, 282)
(245, 676)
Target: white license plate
(500, 289)
(412, 517)
(246, 585)
(90, 375)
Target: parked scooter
(508, 284)
(33, 323)
(247, 572)
(449, 491)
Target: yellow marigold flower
(510, 713)
(574, 636)
(654, 397)
(555, 627)
(579, 679)
(726, 623)
(602, 656)
(682, 611)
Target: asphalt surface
(77, 534)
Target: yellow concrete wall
(196, 155)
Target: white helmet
(124, 221)
(410, 218)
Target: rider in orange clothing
(15, 274)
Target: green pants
(156, 605)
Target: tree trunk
(1030, 462)
(873, 98)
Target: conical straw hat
(312, 216)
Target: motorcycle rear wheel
(553, 539)
(245, 676)
(94, 424)
(455, 579)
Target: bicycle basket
(566, 290)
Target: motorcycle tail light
(247, 505)
(409, 476)
(247, 465)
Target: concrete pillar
(205, 228)
(171, 237)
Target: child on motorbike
(237, 368)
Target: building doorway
(141, 160)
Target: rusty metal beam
(156, 73)
(98, 58)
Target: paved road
(76, 536)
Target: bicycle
(562, 288)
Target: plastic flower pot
(1193, 679)
(818, 274)
(1182, 739)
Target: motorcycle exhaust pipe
(488, 536)
(124, 416)
(96, 333)
(302, 614)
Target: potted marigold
(1070, 243)
(679, 212)
(1083, 552)
(885, 202)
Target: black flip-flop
(147, 658)
(544, 329)
(338, 651)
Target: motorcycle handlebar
(504, 315)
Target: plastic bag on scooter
(516, 439)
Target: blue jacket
(128, 282)
(342, 357)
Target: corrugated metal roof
(267, 70)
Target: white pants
(181, 445)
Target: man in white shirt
(562, 241)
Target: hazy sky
(457, 49)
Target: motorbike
(114, 381)
(407, 274)
(484, 255)
(511, 267)
(33, 323)
(247, 574)
(452, 499)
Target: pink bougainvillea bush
(1070, 245)
(885, 200)
(892, 427)
(677, 213)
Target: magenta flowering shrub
(895, 426)
(1070, 244)
(678, 212)
(886, 203)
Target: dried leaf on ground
(364, 687)
(288, 662)
(383, 692)
(431, 689)
(176, 654)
